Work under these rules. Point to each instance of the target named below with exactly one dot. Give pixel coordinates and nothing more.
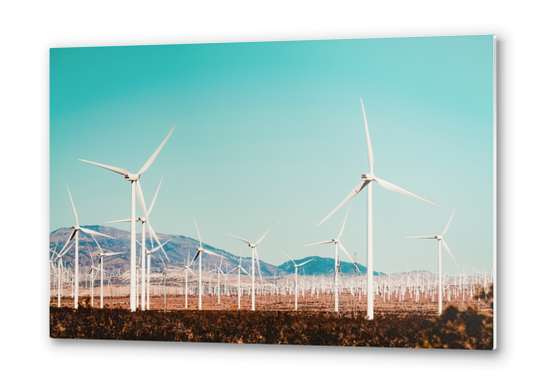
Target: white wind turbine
(200, 252)
(101, 255)
(164, 277)
(254, 252)
(143, 221)
(75, 234)
(440, 240)
(134, 180)
(367, 179)
(297, 266)
(239, 268)
(338, 244)
(60, 269)
(148, 254)
(186, 269)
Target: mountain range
(179, 250)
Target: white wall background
(29, 29)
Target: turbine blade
(244, 270)
(160, 246)
(246, 241)
(321, 242)
(156, 194)
(450, 252)
(196, 256)
(261, 238)
(119, 221)
(395, 188)
(369, 147)
(114, 169)
(212, 253)
(345, 251)
(344, 223)
(192, 272)
(258, 260)
(113, 253)
(420, 237)
(288, 256)
(306, 262)
(64, 250)
(199, 237)
(449, 221)
(90, 231)
(151, 159)
(73, 205)
(100, 248)
(354, 192)
(153, 234)
(139, 193)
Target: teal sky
(273, 132)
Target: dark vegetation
(469, 329)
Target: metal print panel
(336, 192)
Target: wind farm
(236, 176)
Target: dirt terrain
(324, 303)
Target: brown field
(324, 303)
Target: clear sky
(273, 132)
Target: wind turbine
(143, 221)
(134, 180)
(101, 255)
(93, 270)
(368, 178)
(148, 256)
(199, 252)
(239, 268)
(218, 270)
(186, 269)
(297, 266)
(164, 276)
(60, 269)
(254, 252)
(338, 244)
(440, 240)
(75, 234)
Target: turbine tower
(368, 178)
(440, 240)
(134, 180)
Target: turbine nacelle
(438, 237)
(367, 177)
(132, 177)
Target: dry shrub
(455, 329)
(269, 327)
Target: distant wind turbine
(254, 253)
(440, 240)
(200, 252)
(338, 244)
(75, 234)
(101, 255)
(367, 179)
(239, 268)
(60, 268)
(297, 266)
(134, 180)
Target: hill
(179, 249)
